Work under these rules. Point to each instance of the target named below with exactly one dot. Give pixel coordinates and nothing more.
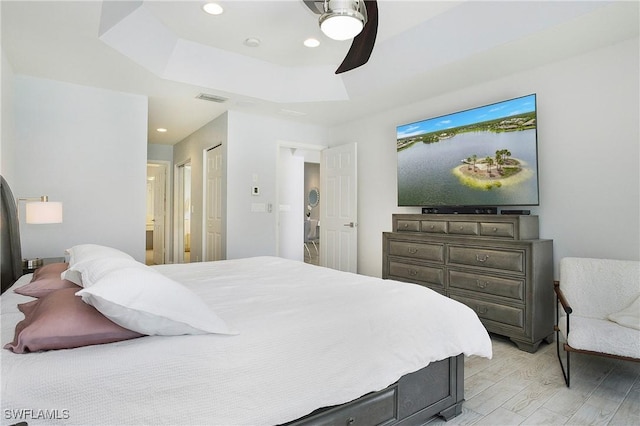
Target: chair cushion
(598, 335)
(596, 288)
(629, 316)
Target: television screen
(485, 156)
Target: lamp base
(32, 263)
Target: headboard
(10, 251)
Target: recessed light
(252, 42)
(312, 42)
(161, 130)
(213, 8)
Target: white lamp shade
(341, 27)
(44, 212)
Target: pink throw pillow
(46, 279)
(61, 320)
(50, 270)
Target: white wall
(159, 152)
(588, 139)
(87, 148)
(7, 131)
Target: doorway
(339, 212)
(293, 205)
(157, 217)
(183, 213)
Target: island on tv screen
(485, 156)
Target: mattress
(309, 337)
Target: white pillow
(628, 317)
(82, 252)
(145, 301)
(88, 272)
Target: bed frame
(435, 390)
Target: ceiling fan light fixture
(342, 19)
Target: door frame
(178, 217)
(168, 211)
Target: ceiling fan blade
(362, 44)
(316, 6)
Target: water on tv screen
(485, 156)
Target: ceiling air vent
(211, 98)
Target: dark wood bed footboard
(436, 390)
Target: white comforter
(309, 337)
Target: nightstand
(45, 261)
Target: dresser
(495, 264)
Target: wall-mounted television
(485, 156)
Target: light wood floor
(519, 388)
(312, 255)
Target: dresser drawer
(434, 226)
(377, 409)
(508, 260)
(408, 225)
(425, 251)
(463, 228)
(425, 274)
(486, 284)
(497, 229)
(493, 311)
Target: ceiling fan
(345, 19)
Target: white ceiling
(171, 51)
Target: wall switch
(255, 190)
(258, 207)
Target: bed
(304, 345)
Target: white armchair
(600, 300)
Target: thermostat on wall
(255, 190)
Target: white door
(214, 177)
(339, 208)
(159, 212)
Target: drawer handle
(461, 227)
(350, 421)
(482, 284)
(482, 309)
(482, 258)
(431, 227)
(412, 250)
(495, 229)
(405, 225)
(412, 272)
